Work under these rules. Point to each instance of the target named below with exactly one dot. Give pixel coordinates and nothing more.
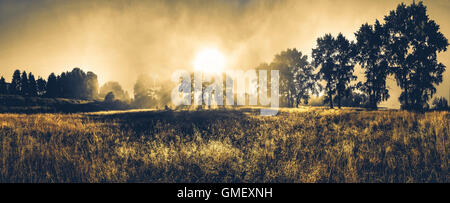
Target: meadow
(228, 145)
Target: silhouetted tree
(62, 83)
(3, 86)
(109, 97)
(15, 86)
(414, 41)
(52, 86)
(345, 66)
(31, 86)
(335, 56)
(74, 84)
(24, 84)
(371, 56)
(323, 56)
(41, 86)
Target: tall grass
(314, 145)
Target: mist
(120, 40)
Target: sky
(122, 39)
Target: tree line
(405, 46)
(75, 84)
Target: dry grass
(314, 145)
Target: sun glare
(209, 60)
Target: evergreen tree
(15, 86)
(32, 86)
(41, 87)
(24, 84)
(3, 86)
(52, 86)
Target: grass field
(301, 145)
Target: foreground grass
(226, 146)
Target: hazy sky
(119, 40)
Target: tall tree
(32, 86)
(323, 56)
(371, 56)
(3, 86)
(52, 86)
(91, 85)
(335, 56)
(285, 62)
(297, 81)
(24, 89)
(41, 86)
(345, 54)
(414, 41)
(15, 86)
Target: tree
(52, 86)
(63, 86)
(74, 84)
(24, 89)
(15, 86)
(335, 56)
(345, 66)
(371, 56)
(91, 85)
(285, 62)
(144, 93)
(354, 99)
(414, 41)
(41, 86)
(3, 86)
(323, 56)
(109, 97)
(297, 80)
(114, 87)
(32, 86)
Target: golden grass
(305, 145)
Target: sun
(209, 60)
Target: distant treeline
(71, 91)
(75, 84)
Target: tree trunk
(372, 102)
(406, 98)
(331, 100)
